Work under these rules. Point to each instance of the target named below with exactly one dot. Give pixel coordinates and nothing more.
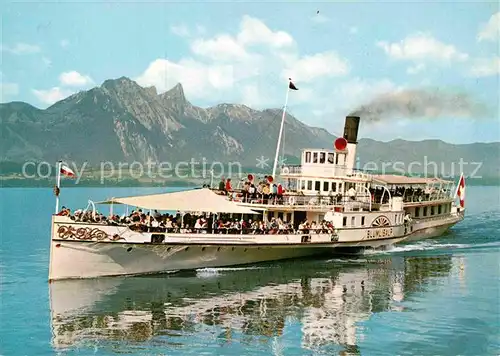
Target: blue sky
(243, 53)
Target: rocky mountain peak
(175, 94)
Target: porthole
(129, 249)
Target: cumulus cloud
(490, 31)
(247, 66)
(422, 46)
(51, 96)
(309, 68)
(485, 67)
(222, 47)
(74, 79)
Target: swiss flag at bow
(68, 172)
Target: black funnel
(351, 129)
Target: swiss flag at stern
(461, 190)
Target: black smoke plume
(421, 103)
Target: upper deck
(323, 163)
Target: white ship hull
(73, 257)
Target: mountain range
(120, 121)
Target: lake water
(438, 297)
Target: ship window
(425, 211)
(322, 157)
(308, 157)
(303, 184)
(334, 186)
(315, 157)
(337, 158)
(280, 215)
(270, 215)
(439, 209)
(288, 217)
(331, 159)
(325, 186)
(340, 187)
(362, 221)
(432, 210)
(317, 185)
(309, 185)
(344, 221)
(353, 221)
(417, 212)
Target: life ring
(291, 200)
(285, 170)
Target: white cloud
(422, 46)
(22, 48)
(485, 67)
(357, 91)
(244, 67)
(490, 31)
(309, 68)
(222, 47)
(75, 79)
(417, 68)
(51, 96)
(8, 90)
(64, 43)
(195, 77)
(254, 31)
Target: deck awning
(392, 179)
(202, 200)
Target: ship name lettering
(379, 233)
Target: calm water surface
(438, 297)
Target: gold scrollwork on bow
(85, 233)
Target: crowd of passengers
(157, 222)
(267, 192)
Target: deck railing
(361, 200)
(312, 201)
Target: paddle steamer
(353, 210)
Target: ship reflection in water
(321, 302)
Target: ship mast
(290, 86)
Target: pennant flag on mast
(291, 85)
(461, 190)
(68, 172)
